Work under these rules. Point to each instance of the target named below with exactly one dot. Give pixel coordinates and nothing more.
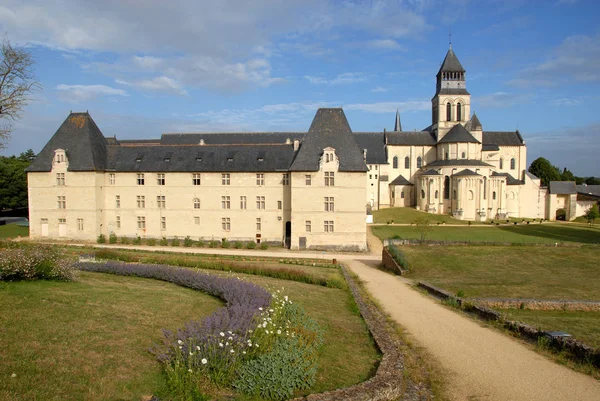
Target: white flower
(179, 342)
(271, 310)
(198, 347)
(204, 361)
(244, 352)
(13, 375)
(222, 334)
(278, 331)
(226, 343)
(232, 351)
(191, 353)
(286, 297)
(220, 344)
(267, 331)
(190, 370)
(264, 324)
(230, 338)
(229, 332)
(256, 345)
(260, 308)
(180, 347)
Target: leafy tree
(592, 214)
(567, 175)
(13, 180)
(17, 82)
(592, 181)
(424, 227)
(544, 170)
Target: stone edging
(582, 352)
(538, 304)
(389, 263)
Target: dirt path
(481, 364)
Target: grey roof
(452, 91)
(451, 63)
(460, 162)
(458, 133)
(466, 172)
(329, 128)
(473, 124)
(398, 124)
(510, 180)
(489, 148)
(400, 180)
(83, 142)
(562, 187)
(533, 177)
(207, 158)
(593, 190)
(374, 142)
(418, 138)
(230, 138)
(502, 138)
(431, 172)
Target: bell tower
(451, 104)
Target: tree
(13, 180)
(424, 227)
(592, 181)
(17, 82)
(592, 214)
(567, 175)
(544, 170)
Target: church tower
(451, 103)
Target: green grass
(13, 231)
(584, 326)
(509, 271)
(546, 233)
(407, 215)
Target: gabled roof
(400, 180)
(459, 162)
(430, 172)
(510, 180)
(329, 128)
(502, 138)
(458, 133)
(83, 142)
(230, 138)
(375, 145)
(451, 63)
(562, 187)
(473, 124)
(466, 172)
(418, 138)
(593, 190)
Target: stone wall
(389, 263)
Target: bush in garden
(101, 239)
(200, 244)
(125, 241)
(163, 242)
(33, 262)
(188, 242)
(251, 245)
(112, 238)
(137, 240)
(398, 256)
(213, 244)
(175, 241)
(151, 241)
(225, 243)
(264, 246)
(238, 245)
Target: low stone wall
(538, 304)
(396, 241)
(389, 263)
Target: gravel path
(480, 363)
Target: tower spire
(398, 125)
(450, 38)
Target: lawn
(13, 231)
(407, 215)
(547, 233)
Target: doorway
(288, 234)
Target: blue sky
(143, 68)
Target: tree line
(13, 180)
(546, 172)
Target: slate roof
(451, 63)
(562, 187)
(502, 138)
(329, 128)
(431, 172)
(458, 133)
(466, 172)
(230, 138)
(397, 124)
(510, 180)
(375, 145)
(473, 124)
(83, 142)
(489, 148)
(452, 91)
(593, 190)
(400, 180)
(460, 162)
(421, 138)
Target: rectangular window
(196, 179)
(111, 179)
(80, 224)
(308, 179)
(226, 224)
(140, 179)
(161, 201)
(141, 220)
(163, 223)
(258, 224)
(225, 179)
(62, 221)
(160, 179)
(61, 202)
(329, 179)
(196, 220)
(329, 204)
(141, 201)
(260, 179)
(117, 201)
(118, 221)
(260, 202)
(308, 226)
(242, 202)
(225, 202)
(286, 179)
(328, 226)
(60, 179)
(279, 205)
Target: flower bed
(34, 262)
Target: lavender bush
(31, 262)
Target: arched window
(446, 155)
(447, 187)
(494, 195)
(512, 163)
(437, 194)
(464, 155)
(407, 162)
(395, 162)
(501, 164)
(419, 162)
(196, 203)
(484, 187)
(458, 112)
(448, 112)
(422, 194)
(470, 195)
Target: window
(447, 187)
(419, 162)
(395, 162)
(196, 179)
(458, 112)
(225, 202)
(196, 203)
(422, 194)
(163, 223)
(141, 202)
(448, 112)
(242, 202)
(513, 164)
(258, 224)
(117, 201)
(140, 179)
(80, 224)
(402, 194)
(308, 226)
(454, 194)
(370, 176)
(328, 226)
(437, 194)
(279, 205)
(501, 165)
(62, 202)
(494, 195)
(260, 202)
(260, 179)
(285, 180)
(62, 221)
(226, 223)
(197, 220)
(160, 179)
(225, 179)
(407, 162)
(161, 201)
(308, 179)
(463, 155)
(141, 220)
(111, 179)
(329, 179)
(60, 179)
(446, 155)
(329, 204)
(118, 221)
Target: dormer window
(329, 155)
(167, 159)
(138, 160)
(60, 156)
(260, 159)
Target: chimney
(296, 145)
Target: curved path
(479, 363)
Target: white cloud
(503, 99)
(381, 44)
(566, 101)
(157, 84)
(341, 79)
(390, 107)
(379, 89)
(79, 93)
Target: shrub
(101, 239)
(264, 246)
(251, 245)
(213, 244)
(188, 242)
(33, 262)
(200, 244)
(238, 245)
(225, 243)
(398, 256)
(175, 241)
(163, 242)
(137, 240)
(112, 238)
(151, 241)
(125, 241)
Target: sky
(143, 68)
